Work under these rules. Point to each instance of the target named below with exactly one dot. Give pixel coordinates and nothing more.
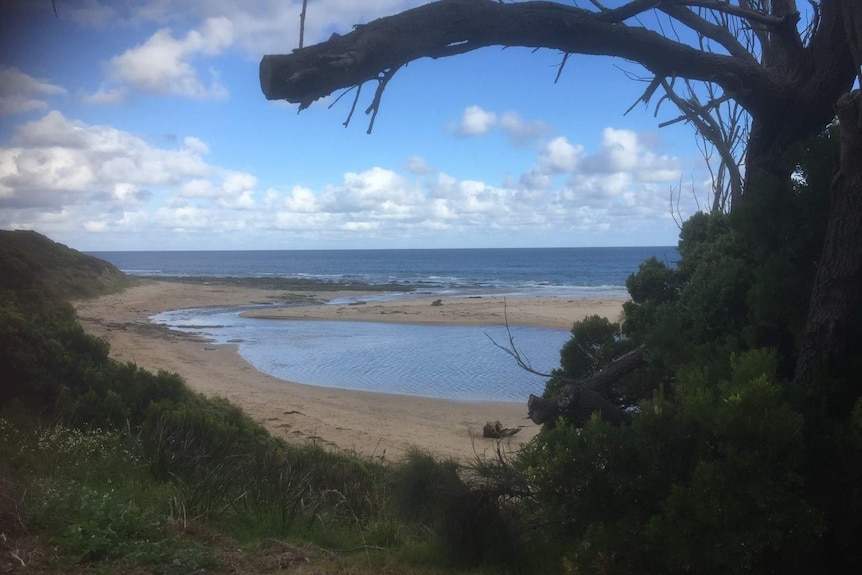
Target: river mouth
(440, 361)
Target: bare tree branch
(709, 30)
(302, 23)
(706, 125)
(753, 16)
(562, 65)
(452, 27)
(629, 10)
(378, 94)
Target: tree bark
(452, 27)
(579, 400)
(833, 332)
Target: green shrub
(421, 486)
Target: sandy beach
(372, 424)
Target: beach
(371, 424)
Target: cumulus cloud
(105, 96)
(624, 180)
(58, 164)
(521, 131)
(88, 12)
(173, 63)
(625, 151)
(260, 26)
(476, 121)
(64, 176)
(164, 64)
(417, 165)
(20, 92)
(559, 156)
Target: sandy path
(373, 424)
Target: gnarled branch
(452, 27)
(578, 400)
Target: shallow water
(451, 362)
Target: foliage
(709, 482)
(116, 456)
(89, 496)
(595, 342)
(422, 484)
(727, 466)
(34, 265)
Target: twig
(302, 23)
(515, 354)
(378, 94)
(562, 65)
(353, 107)
(18, 557)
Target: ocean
(450, 362)
(599, 272)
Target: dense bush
(727, 466)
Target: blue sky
(141, 126)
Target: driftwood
(578, 400)
(496, 430)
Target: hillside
(33, 263)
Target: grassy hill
(32, 263)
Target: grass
(111, 501)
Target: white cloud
(272, 26)
(87, 12)
(195, 145)
(417, 165)
(59, 163)
(260, 26)
(520, 130)
(301, 201)
(625, 151)
(20, 92)
(66, 177)
(559, 156)
(476, 121)
(107, 96)
(163, 64)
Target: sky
(141, 125)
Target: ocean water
(453, 362)
(598, 272)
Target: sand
(371, 424)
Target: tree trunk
(834, 329)
(578, 400)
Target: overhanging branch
(452, 27)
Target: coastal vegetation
(107, 466)
(723, 462)
(726, 436)
(733, 444)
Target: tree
(748, 52)
(747, 456)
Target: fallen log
(496, 430)
(578, 400)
